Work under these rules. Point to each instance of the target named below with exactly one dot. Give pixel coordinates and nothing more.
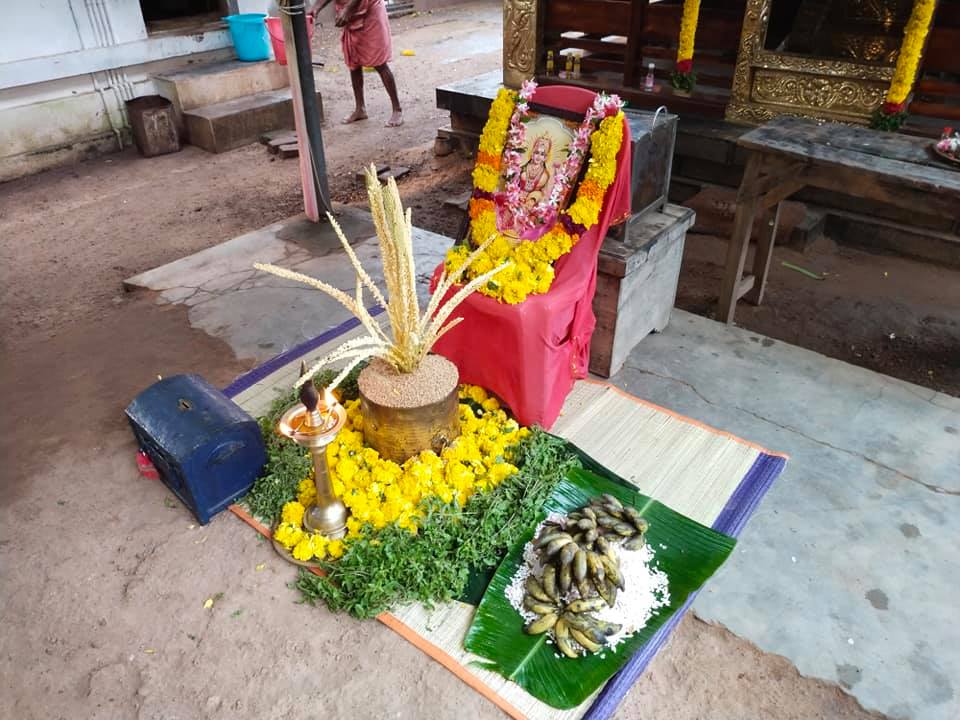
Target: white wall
(51, 27)
(67, 68)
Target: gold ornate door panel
(768, 83)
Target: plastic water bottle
(648, 81)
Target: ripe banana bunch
(572, 624)
(580, 551)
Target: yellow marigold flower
(381, 492)
(584, 212)
(303, 550)
(445, 493)
(544, 277)
(476, 393)
(319, 546)
(335, 548)
(491, 403)
(351, 439)
(346, 469)
(514, 293)
(486, 178)
(500, 248)
(288, 535)
(483, 264)
(292, 513)
(500, 472)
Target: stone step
(399, 8)
(212, 83)
(227, 125)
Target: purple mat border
(251, 378)
(731, 521)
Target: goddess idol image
(537, 172)
(544, 155)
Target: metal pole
(311, 112)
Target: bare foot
(396, 119)
(357, 114)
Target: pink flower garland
(533, 222)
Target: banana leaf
(692, 553)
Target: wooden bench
(788, 154)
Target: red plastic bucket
(275, 29)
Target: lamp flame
(329, 399)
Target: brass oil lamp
(313, 423)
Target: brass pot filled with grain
(405, 413)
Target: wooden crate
(637, 284)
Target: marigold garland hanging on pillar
(892, 113)
(683, 77)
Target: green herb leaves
(393, 567)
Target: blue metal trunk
(207, 450)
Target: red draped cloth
(366, 40)
(530, 353)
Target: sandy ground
(105, 576)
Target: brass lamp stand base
(329, 520)
(313, 424)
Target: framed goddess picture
(539, 191)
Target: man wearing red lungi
(366, 42)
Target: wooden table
(787, 154)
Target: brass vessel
(399, 433)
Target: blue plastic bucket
(249, 35)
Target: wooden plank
(763, 254)
(937, 110)
(593, 63)
(585, 43)
(941, 54)
(602, 17)
(739, 242)
(783, 191)
(638, 14)
(717, 29)
(745, 285)
(848, 180)
(937, 86)
(863, 140)
(774, 172)
(702, 102)
(805, 140)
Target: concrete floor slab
(260, 315)
(849, 568)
